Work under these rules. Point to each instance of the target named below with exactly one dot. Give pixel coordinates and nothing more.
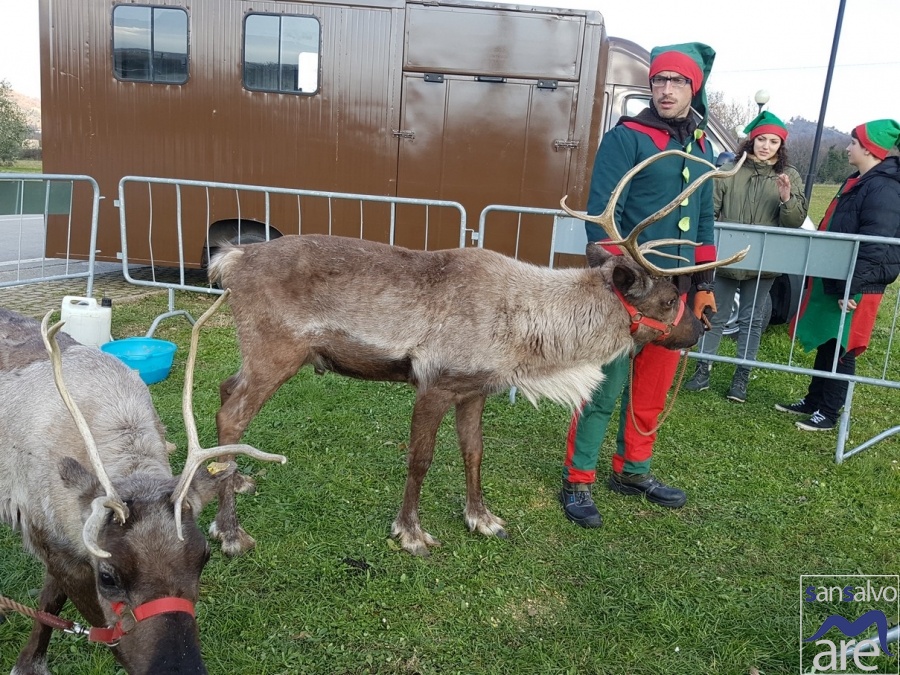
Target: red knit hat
(694, 61)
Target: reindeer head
(146, 567)
(654, 303)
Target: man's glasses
(658, 81)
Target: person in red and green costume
(678, 75)
(867, 203)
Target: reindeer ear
(596, 254)
(205, 486)
(76, 477)
(624, 278)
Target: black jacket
(871, 207)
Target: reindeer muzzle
(638, 319)
(112, 635)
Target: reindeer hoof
(234, 543)
(487, 524)
(414, 540)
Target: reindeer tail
(222, 262)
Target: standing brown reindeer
(457, 325)
(111, 539)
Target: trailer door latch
(402, 133)
(560, 143)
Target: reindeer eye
(107, 578)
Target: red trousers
(643, 397)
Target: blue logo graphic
(852, 629)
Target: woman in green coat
(765, 191)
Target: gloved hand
(704, 306)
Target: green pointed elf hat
(766, 123)
(878, 137)
(693, 60)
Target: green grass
(712, 588)
(23, 166)
(822, 194)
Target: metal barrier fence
(37, 233)
(799, 253)
(155, 213)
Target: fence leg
(844, 424)
(172, 312)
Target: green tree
(834, 168)
(13, 127)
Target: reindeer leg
(33, 657)
(471, 444)
(429, 410)
(242, 396)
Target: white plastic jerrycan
(86, 321)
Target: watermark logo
(849, 624)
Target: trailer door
(488, 113)
(485, 142)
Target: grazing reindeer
(457, 325)
(111, 539)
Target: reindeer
(457, 325)
(94, 497)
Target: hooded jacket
(750, 197)
(870, 207)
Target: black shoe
(579, 506)
(800, 407)
(648, 485)
(738, 391)
(700, 379)
(816, 422)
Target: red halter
(112, 635)
(638, 319)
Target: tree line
(13, 126)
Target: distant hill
(802, 133)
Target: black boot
(700, 379)
(578, 505)
(738, 391)
(648, 485)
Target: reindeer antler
(606, 220)
(101, 504)
(196, 454)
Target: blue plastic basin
(152, 358)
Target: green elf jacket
(622, 148)
(751, 197)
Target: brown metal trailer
(465, 101)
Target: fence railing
(37, 232)
(798, 253)
(168, 220)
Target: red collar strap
(638, 319)
(112, 635)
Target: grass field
(23, 166)
(713, 588)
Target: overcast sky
(782, 46)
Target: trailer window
(281, 53)
(150, 44)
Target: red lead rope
(111, 635)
